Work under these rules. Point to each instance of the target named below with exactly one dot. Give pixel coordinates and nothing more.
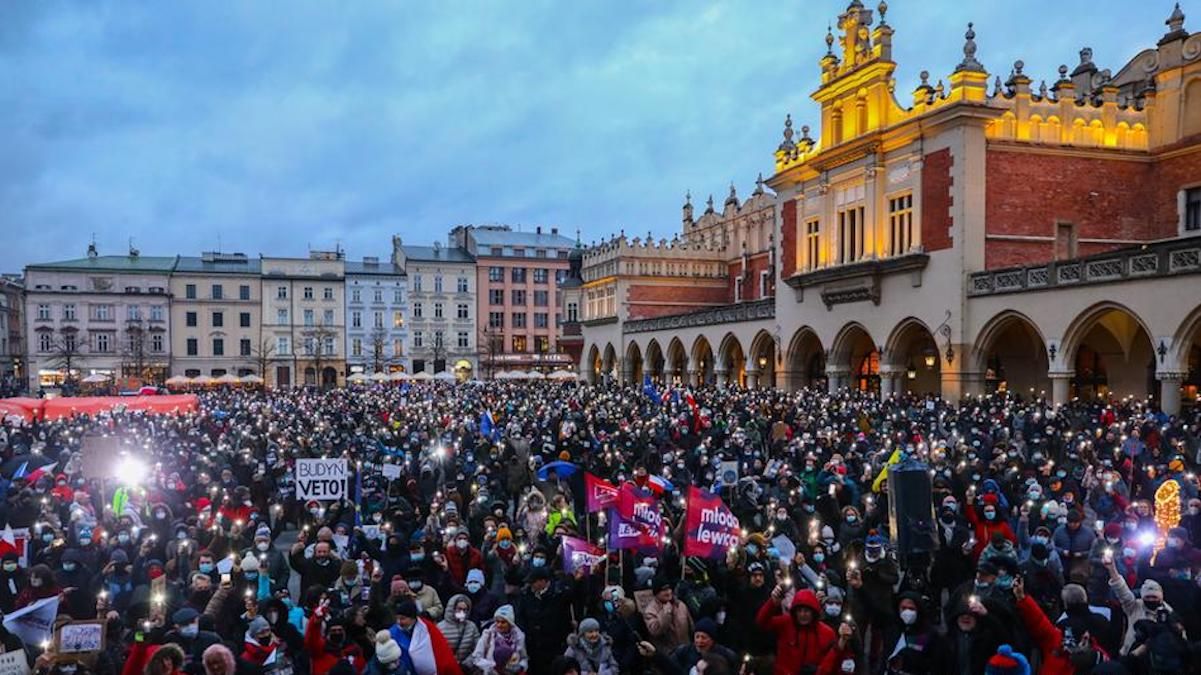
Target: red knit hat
(1007, 662)
(990, 498)
(1113, 530)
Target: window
(462, 311)
(192, 346)
(356, 347)
(519, 344)
(398, 348)
(156, 312)
(418, 339)
(518, 297)
(45, 342)
(560, 277)
(308, 346)
(328, 345)
(542, 344)
(518, 275)
(356, 319)
(437, 310)
(283, 346)
(69, 312)
(218, 347)
(308, 292)
(244, 292)
(416, 310)
(218, 319)
(308, 317)
(1192, 209)
(69, 342)
(738, 289)
(189, 319)
(244, 346)
(540, 253)
(438, 283)
(541, 298)
(102, 312)
(850, 234)
(327, 317)
(900, 224)
(496, 319)
(417, 283)
(541, 275)
(189, 291)
(496, 274)
(156, 342)
(541, 320)
(461, 342)
(496, 250)
(133, 313)
(496, 296)
(519, 252)
(244, 320)
(398, 320)
(379, 320)
(103, 342)
(281, 292)
(573, 312)
(218, 292)
(327, 293)
(281, 316)
(377, 296)
(519, 319)
(764, 284)
(461, 285)
(43, 312)
(355, 295)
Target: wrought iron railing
(742, 311)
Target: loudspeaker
(911, 509)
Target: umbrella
(202, 380)
(423, 376)
(379, 377)
(252, 379)
(176, 380)
(95, 378)
(445, 376)
(535, 375)
(563, 469)
(357, 378)
(228, 378)
(21, 465)
(562, 375)
(398, 376)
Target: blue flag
(358, 497)
(648, 388)
(488, 426)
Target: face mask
(819, 557)
(323, 561)
(833, 610)
(1038, 540)
(189, 631)
(68, 567)
(1128, 552)
(848, 666)
(1175, 542)
(983, 586)
(1152, 604)
(35, 582)
(505, 544)
(416, 585)
(123, 538)
(48, 537)
(1005, 582)
(85, 539)
(206, 568)
(314, 511)
(473, 586)
(272, 617)
(908, 616)
(461, 544)
(416, 557)
(251, 576)
(1113, 540)
(160, 514)
(990, 514)
(10, 567)
(851, 518)
(460, 615)
(538, 562)
(1193, 510)
(872, 556)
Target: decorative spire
(688, 198)
(732, 200)
(758, 185)
(830, 39)
(969, 52)
(1175, 24)
(882, 8)
(805, 134)
(709, 205)
(1063, 72)
(997, 86)
(787, 144)
(1042, 89)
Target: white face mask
(262, 546)
(848, 666)
(909, 616)
(460, 615)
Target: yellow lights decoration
(1167, 512)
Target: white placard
(321, 479)
(14, 663)
(391, 471)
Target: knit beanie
(505, 612)
(386, 649)
(1007, 662)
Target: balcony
(1161, 259)
(743, 311)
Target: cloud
(273, 126)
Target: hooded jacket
(594, 658)
(461, 636)
(797, 646)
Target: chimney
(554, 230)
(539, 229)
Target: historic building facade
(988, 233)
(377, 309)
(216, 315)
(303, 315)
(442, 301)
(12, 343)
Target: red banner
(601, 493)
(710, 529)
(580, 553)
(641, 507)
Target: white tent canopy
(562, 375)
(252, 379)
(379, 377)
(95, 378)
(357, 378)
(445, 376)
(422, 376)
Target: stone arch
(701, 360)
(1108, 348)
(762, 360)
(914, 363)
(609, 363)
(593, 373)
(732, 358)
(677, 360)
(806, 362)
(1011, 351)
(855, 359)
(654, 360)
(1186, 345)
(632, 368)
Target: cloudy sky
(266, 127)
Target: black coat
(546, 621)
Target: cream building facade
(216, 311)
(303, 319)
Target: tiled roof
(442, 254)
(113, 263)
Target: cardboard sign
(80, 637)
(14, 663)
(391, 471)
(321, 479)
(100, 455)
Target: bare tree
(315, 340)
(133, 351)
(491, 343)
(379, 346)
(261, 355)
(66, 355)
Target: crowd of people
(1056, 539)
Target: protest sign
(100, 456)
(81, 637)
(16, 540)
(580, 554)
(641, 507)
(321, 479)
(34, 624)
(14, 663)
(710, 529)
(391, 471)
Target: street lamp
(930, 356)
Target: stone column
(1061, 386)
(889, 378)
(789, 380)
(1169, 396)
(836, 378)
(752, 379)
(720, 375)
(692, 377)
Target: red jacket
(983, 529)
(460, 563)
(321, 660)
(1049, 639)
(796, 645)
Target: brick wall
(789, 243)
(650, 301)
(1170, 175)
(750, 287)
(937, 200)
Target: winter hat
(263, 532)
(475, 575)
(615, 593)
(119, 556)
(250, 564)
(258, 625)
(1113, 531)
(661, 583)
(505, 612)
(1007, 662)
(407, 608)
(348, 567)
(706, 626)
(386, 649)
(503, 533)
(1152, 587)
(589, 624)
